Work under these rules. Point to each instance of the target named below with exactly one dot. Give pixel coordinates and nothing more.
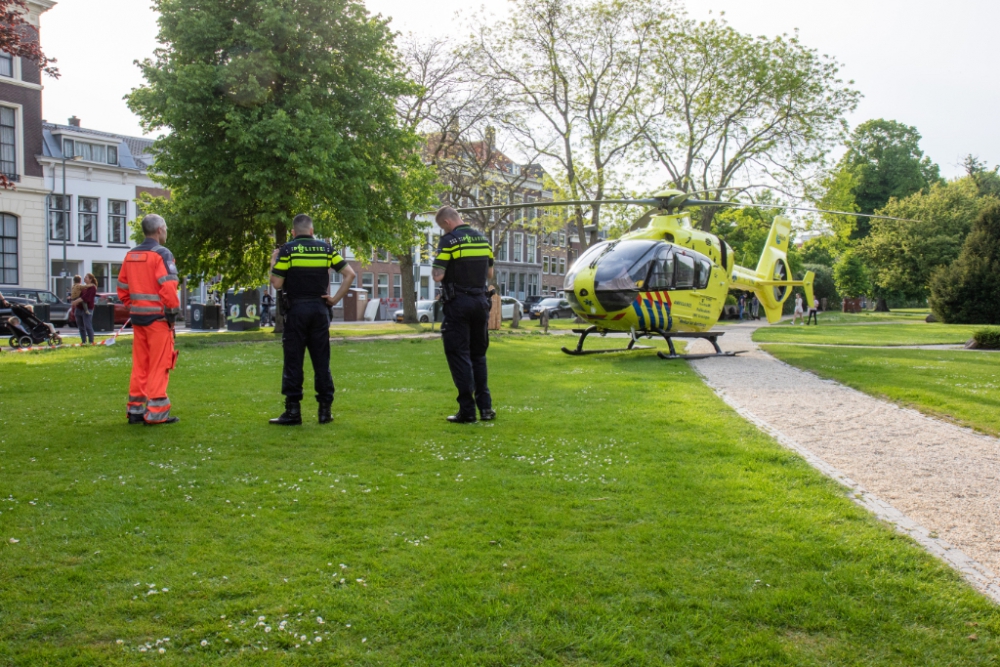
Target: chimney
(74, 121)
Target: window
(397, 286)
(90, 152)
(425, 286)
(532, 255)
(501, 251)
(545, 264)
(8, 143)
(117, 215)
(502, 283)
(562, 239)
(683, 272)
(661, 274)
(6, 64)
(336, 279)
(87, 219)
(59, 217)
(562, 266)
(381, 255)
(107, 276)
(533, 284)
(383, 285)
(703, 272)
(517, 247)
(521, 285)
(8, 249)
(367, 282)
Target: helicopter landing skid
(579, 351)
(710, 336)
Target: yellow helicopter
(664, 278)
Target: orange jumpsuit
(147, 285)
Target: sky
(925, 63)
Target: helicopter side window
(684, 272)
(661, 271)
(702, 273)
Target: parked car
(507, 304)
(530, 303)
(5, 312)
(121, 312)
(58, 310)
(425, 312)
(556, 307)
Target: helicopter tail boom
(770, 280)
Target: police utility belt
(450, 290)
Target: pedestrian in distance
(814, 312)
(798, 310)
(266, 303)
(301, 270)
(147, 285)
(83, 306)
(755, 307)
(463, 266)
(743, 304)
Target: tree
(903, 254)
(987, 180)
(574, 72)
(885, 158)
(19, 39)
(850, 276)
(730, 107)
(276, 108)
(968, 291)
(746, 230)
(824, 286)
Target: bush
(968, 291)
(987, 339)
(850, 275)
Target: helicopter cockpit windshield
(622, 272)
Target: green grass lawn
(961, 386)
(617, 513)
(866, 317)
(920, 333)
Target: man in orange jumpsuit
(147, 285)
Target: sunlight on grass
(617, 512)
(876, 334)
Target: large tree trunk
(280, 238)
(409, 288)
(881, 306)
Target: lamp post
(65, 236)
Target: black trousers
(307, 327)
(465, 333)
(813, 317)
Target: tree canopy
(730, 108)
(902, 254)
(886, 161)
(851, 276)
(276, 107)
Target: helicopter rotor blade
(677, 201)
(703, 202)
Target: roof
(133, 152)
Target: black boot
(292, 416)
(325, 417)
(487, 415)
(136, 419)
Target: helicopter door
(661, 271)
(684, 272)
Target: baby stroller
(28, 330)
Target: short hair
(447, 213)
(77, 280)
(302, 222)
(151, 223)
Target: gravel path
(935, 481)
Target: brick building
(22, 210)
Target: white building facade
(94, 179)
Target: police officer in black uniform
(301, 268)
(463, 266)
